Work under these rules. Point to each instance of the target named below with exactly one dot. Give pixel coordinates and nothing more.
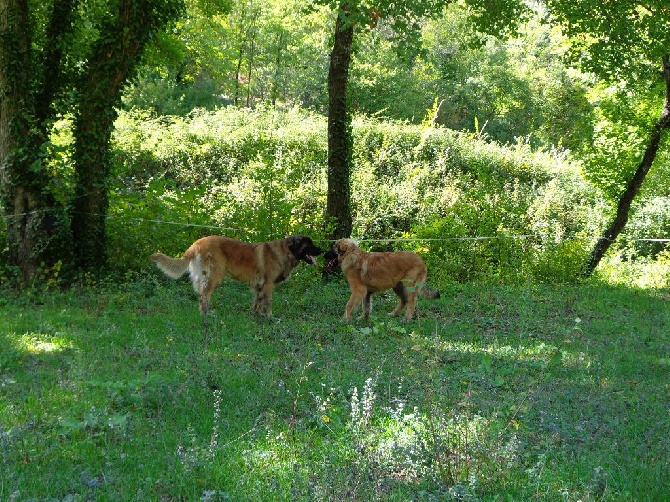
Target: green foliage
(623, 41)
(480, 211)
(559, 260)
(619, 140)
(514, 88)
(651, 221)
(167, 97)
(252, 175)
(277, 52)
(138, 223)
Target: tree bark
(31, 90)
(51, 74)
(114, 58)
(635, 183)
(338, 202)
(36, 227)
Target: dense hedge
(474, 209)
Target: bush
(467, 205)
(650, 221)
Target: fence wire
(389, 240)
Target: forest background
(459, 135)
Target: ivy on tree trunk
(37, 232)
(36, 87)
(113, 60)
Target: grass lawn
(495, 393)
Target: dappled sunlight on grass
(354, 444)
(41, 343)
(528, 392)
(534, 351)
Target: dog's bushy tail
(429, 293)
(172, 267)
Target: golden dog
(261, 265)
(367, 273)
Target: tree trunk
(252, 53)
(338, 202)
(278, 62)
(36, 226)
(93, 127)
(51, 71)
(114, 58)
(634, 185)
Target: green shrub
(650, 220)
(261, 174)
(474, 209)
(560, 262)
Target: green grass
(494, 393)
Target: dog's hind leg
(205, 279)
(411, 305)
(367, 305)
(415, 281)
(401, 291)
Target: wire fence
(385, 240)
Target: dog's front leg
(257, 303)
(256, 286)
(357, 296)
(267, 301)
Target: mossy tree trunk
(36, 87)
(37, 228)
(114, 58)
(340, 142)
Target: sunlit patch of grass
(42, 343)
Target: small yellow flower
(325, 418)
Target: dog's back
(383, 270)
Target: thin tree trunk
(236, 93)
(634, 185)
(278, 61)
(242, 37)
(252, 49)
(338, 202)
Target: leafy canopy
(622, 40)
